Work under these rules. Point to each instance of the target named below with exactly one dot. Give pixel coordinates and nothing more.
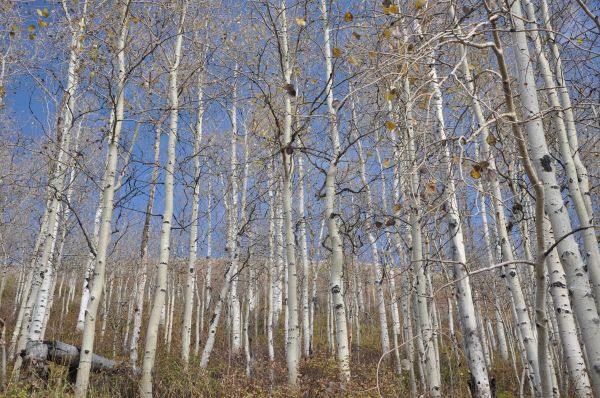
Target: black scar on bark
(546, 161)
(335, 289)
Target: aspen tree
(558, 121)
(231, 205)
(567, 247)
(337, 255)
(141, 274)
(512, 277)
(464, 296)
(186, 330)
(97, 287)
(306, 335)
(145, 388)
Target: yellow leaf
(301, 22)
(390, 125)
(135, 19)
(386, 10)
(387, 33)
(369, 154)
(394, 9)
(475, 173)
(490, 139)
(356, 35)
(352, 60)
(31, 28)
(31, 36)
(42, 24)
(389, 96)
(372, 54)
(386, 163)
(337, 53)
(580, 41)
(397, 207)
(420, 4)
(43, 12)
(348, 17)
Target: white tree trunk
(337, 258)
(209, 234)
(569, 337)
(472, 342)
(271, 266)
(512, 277)
(186, 330)
(233, 228)
(145, 388)
(87, 344)
(306, 334)
(577, 198)
(568, 250)
(142, 271)
(567, 108)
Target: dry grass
(225, 376)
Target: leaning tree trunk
(230, 277)
(567, 108)
(568, 249)
(577, 198)
(34, 304)
(87, 344)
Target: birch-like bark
(209, 236)
(307, 348)
(232, 225)
(145, 388)
(337, 258)
(567, 109)
(293, 329)
(271, 266)
(186, 330)
(579, 285)
(230, 277)
(577, 198)
(30, 319)
(512, 277)
(428, 372)
(378, 281)
(142, 270)
(87, 344)
(569, 337)
(464, 296)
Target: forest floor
(226, 374)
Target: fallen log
(37, 354)
(68, 355)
